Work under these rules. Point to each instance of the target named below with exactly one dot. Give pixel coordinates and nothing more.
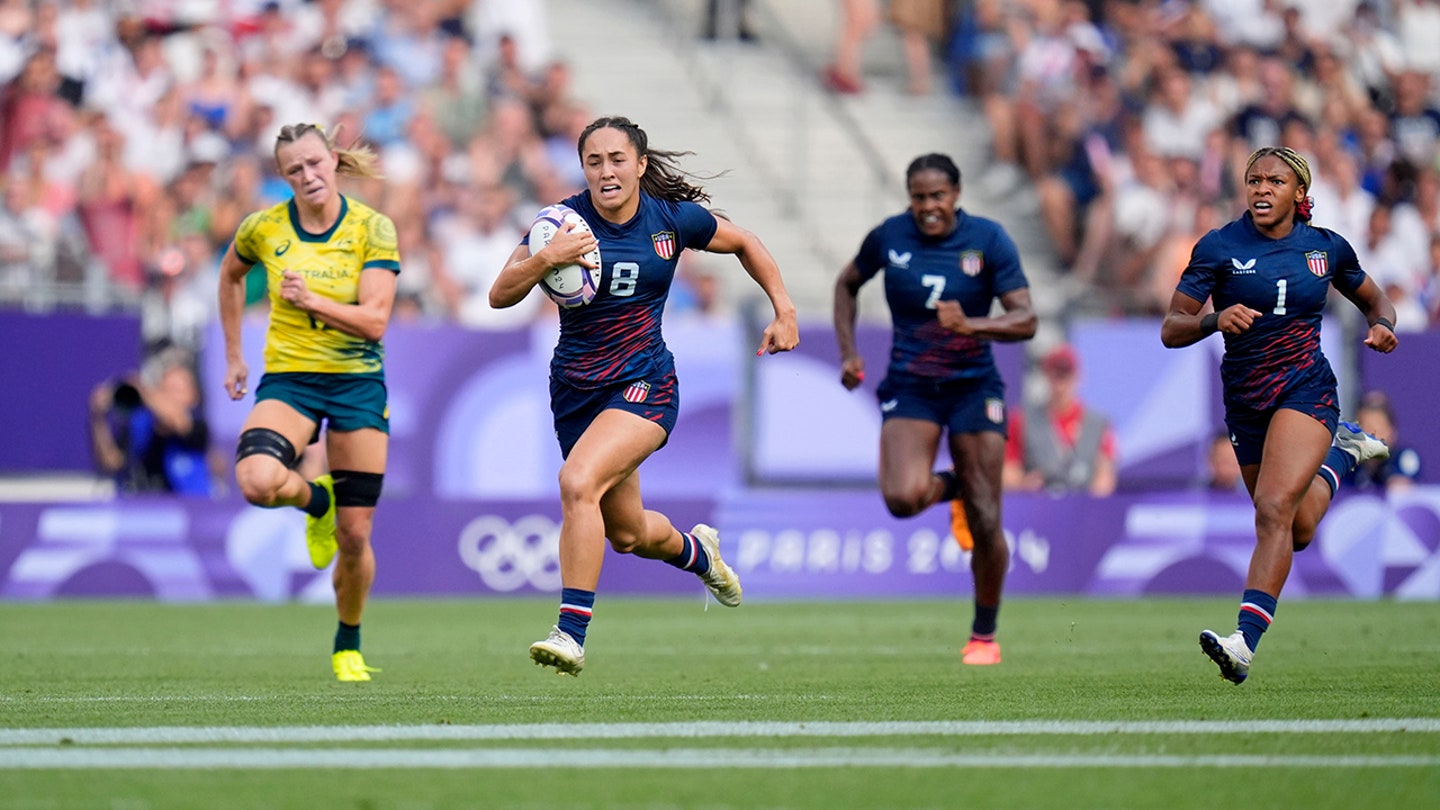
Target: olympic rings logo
(508, 557)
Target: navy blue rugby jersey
(974, 265)
(1288, 280)
(616, 337)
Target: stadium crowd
(133, 136)
(1132, 119)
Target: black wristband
(1210, 323)
(1385, 322)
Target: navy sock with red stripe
(1337, 465)
(1257, 610)
(691, 557)
(575, 609)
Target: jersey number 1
(1280, 297)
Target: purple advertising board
(831, 544)
(1410, 376)
(47, 370)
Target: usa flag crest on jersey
(1319, 264)
(636, 392)
(971, 262)
(664, 244)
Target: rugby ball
(572, 285)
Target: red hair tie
(1304, 207)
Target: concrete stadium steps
(799, 173)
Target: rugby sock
(691, 557)
(347, 637)
(950, 485)
(1257, 610)
(1336, 466)
(983, 628)
(575, 609)
(319, 503)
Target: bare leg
(907, 465)
(979, 458)
(358, 451)
(1295, 445)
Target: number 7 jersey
(1288, 281)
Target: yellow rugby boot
(320, 532)
(350, 666)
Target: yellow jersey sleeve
(331, 264)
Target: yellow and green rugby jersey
(331, 263)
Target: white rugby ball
(572, 285)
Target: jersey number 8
(624, 276)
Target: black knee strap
(265, 442)
(357, 488)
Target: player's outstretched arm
(847, 293)
(783, 333)
(1379, 314)
(232, 310)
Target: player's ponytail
(663, 177)
(356, 160)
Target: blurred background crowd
(136, 134)
(1132, 120)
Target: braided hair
(663, 177)
(357, 160)
(1297, 164)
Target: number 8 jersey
(1288, 281)
(616, 337)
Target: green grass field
(779, 705)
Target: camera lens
(126, 395)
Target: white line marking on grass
(356, 698)
(405, 759)
(170, 735)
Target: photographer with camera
(148, 431)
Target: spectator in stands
(391, 109)
(473, 246)
(727, 18)
(920, 23)
(26, 103)
(148, 430)
(1415, 123)
(1376, 416)
(1261, 122)
(858, 20)
(456, 101)
(1061, 445)
(1341, 204)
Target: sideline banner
(830, 544)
